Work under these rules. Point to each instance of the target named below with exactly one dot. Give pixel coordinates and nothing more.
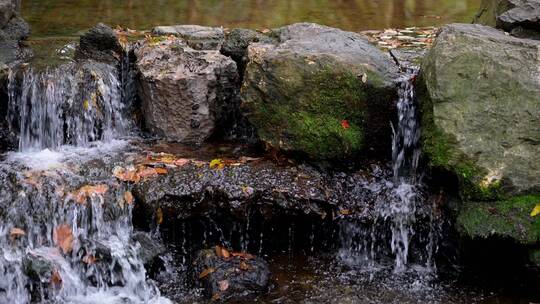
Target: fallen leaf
(181, 162)
(56, 279)
(215, 297)
(345, 212)
(243, 255)
(223, 285)
(217, 164)
(89, 259)
(345, 124)
(364, 78)
(128, 197)
(536, 210)
(63, 238)
(161, 170)
(159, 216)
(206, 272)
(244, 266)
(85, 192)
(16, 232)
(222, 252)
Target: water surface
(68, 17)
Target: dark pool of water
(69, 17)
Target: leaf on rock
(159, 216)
(243, 255)
(222, 252)
(223, 285)
(536, 210)
(87, 191)
(206, 272)
(128, 197)
(244, 266)
(217, 164)
(16, 232)
(89, 259)
(364, 78)
(63, 238)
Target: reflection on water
(68, 17)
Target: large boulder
(186, 94)
(520, 17)
(481, 109)
(480, 100)
(321, 92)
(196, 36)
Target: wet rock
(237, 42)
(479, 97)
(196, 36)
(519, 17)
(13, 30)
(230, 278)
(186, 94)
(150, 250)
(321, 92)
(101, 44)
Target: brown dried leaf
(16, 232)
(159, 216)
(128, 197)
(89, 259)
(243, 255)
(63, 238)
(87, 191)
(244, 266)
(206, 272)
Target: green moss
(314, 100)
(443, 153)
(509, 218)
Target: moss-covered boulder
(480, 100)
(506, 219)
(320, 91)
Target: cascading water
(67, 237)
(400, 200)
(73, 104)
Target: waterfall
(73, 104)
(66, 236)
(400, 200)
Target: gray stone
(520, 17)
(299, 92)
(187, 94)
(198, 37)
(100, 43)
(480, 98)
(13, 30)
(237, 42)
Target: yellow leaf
(159, 216)
(86, 104)
(216, 164)
(536, 210)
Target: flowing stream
(67, 237)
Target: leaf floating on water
(223, 285)
(536, 210)
(16, 232)
(345, 124)
(206, 272)
(63, 238)
(128, 197)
